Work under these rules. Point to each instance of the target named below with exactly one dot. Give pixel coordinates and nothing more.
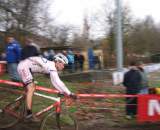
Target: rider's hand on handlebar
(60, 95)
(73, 96)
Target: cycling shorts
(25, 73)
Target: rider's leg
(29, 97)
(29, 94)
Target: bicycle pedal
(28, 116)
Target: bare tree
(109, 23)
(144, 36)
(19, 15)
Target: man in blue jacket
(13, 56)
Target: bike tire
(11, 114)
(62, 121)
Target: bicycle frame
(56, 104)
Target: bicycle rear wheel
(62, 121)
(11, 114)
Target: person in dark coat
(144, 83)
(132, 82)
(29, 49)
(79, 61)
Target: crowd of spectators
(14, 52)
(75, 59)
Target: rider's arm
(58, 84)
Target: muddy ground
(95, 126)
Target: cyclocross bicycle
(57, 117)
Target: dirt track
(24, 126)
(95, 126)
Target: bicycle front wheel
(62, 121)
(11, 114)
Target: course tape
(48, 90)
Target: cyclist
(42, 65)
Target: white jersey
(41, 65)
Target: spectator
(79, 61)
(29, 50)
(46, 55)
(51, 54)
(37, 47)
(91, 58)
(76, 61)
(3, 56)
(64, 52)
(144, 82)
(13, 56)
(97, 62)
(132, 82)
(70, 57)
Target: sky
(73, 11)
(142, 8)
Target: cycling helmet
(61, 57)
